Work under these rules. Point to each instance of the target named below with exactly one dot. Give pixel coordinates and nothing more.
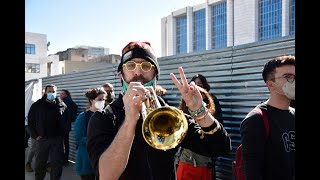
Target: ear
(270, 84)
(120, 75)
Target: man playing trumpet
(116, 143)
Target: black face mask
(110, 97)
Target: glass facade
(199, 30)
(268, 25)
(219, 25)
(32, 68)
(292, 16)
(270, 19)
(181, 31)
(30, 49)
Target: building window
(199, 30)
(30, 49)
(181, 30)
(292, 16)
(32, 68)
(270, 19)
(219, 26)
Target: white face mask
(113, 95)
(289, 90)
(99, 105)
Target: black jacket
(272, 157)
(70, 114)
(45, 119)
(146, 162)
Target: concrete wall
(245, 21)
(75, 66)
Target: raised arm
(210, 138)
(114, 157)
(192, 96)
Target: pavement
(68, 172)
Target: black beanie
(139, 50)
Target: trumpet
(163, 127)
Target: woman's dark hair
(91, 94)
(67, 92)
(204, 81)
(269, 68)
(210, 106)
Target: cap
(137, 49)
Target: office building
(225, 23)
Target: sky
(100, 23)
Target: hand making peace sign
(189, 92)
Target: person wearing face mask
(108, 87)
(116, 146)
(96, 99)
(45, 122)
(272, 157)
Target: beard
(139, 78)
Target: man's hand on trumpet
(133, 98)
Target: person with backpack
(96, 99)
(268, 144)
(69, 116)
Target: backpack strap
(265, 120)
(177, 156)
(176, 160)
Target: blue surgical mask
(150, 83)
(51, 96)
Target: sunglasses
(132, 66)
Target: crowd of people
(111, 139)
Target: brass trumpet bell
(163, 127)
